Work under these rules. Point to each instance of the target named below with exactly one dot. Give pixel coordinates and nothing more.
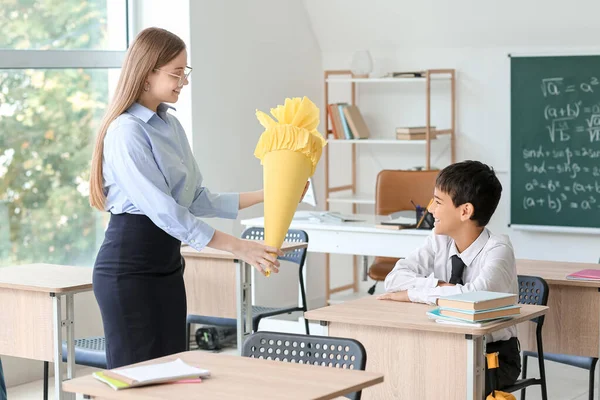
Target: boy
(462, 255)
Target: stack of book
(415, 133)
(151, 374)
(475, 308)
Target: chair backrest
(533, 290)
(395, 190)
(305, 349)
(297, 256)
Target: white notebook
(150, 374)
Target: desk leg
(243, 302)
(365, 261)
(239, 304)
(70, 336)
(57, 324)
(248, 297)
(475, 367)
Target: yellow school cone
(289, 150)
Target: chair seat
(381, 267)
(258, 312)
(89, 351)
(574, 361)
(522, 384)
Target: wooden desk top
(555, 272)
(392, 314)
(48, 278)
(234, 377)
(208, 252)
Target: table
(421, 359)
(32, 320)
(362, 238)
(215, 289)
(572, 325)
(234, 377)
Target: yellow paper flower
(295, 130)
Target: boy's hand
(442, 284)
(396, 296)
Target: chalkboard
(555, 141)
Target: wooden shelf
(385, 141)
(359, 198)
(386, 80)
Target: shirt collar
(145, 114)
(473, 250)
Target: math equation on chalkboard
(555, 149)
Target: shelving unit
(339, 194)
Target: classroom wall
(248, 56)
(474, 38)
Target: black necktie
(458, 267)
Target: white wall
(248, 56)
(473, 37)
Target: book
(345, 126)
(585, 275)
(478, 301)
(400, 221)
(441, 319)
(150, 374)
(337, 125)
(355, 121)
(476, 316)
(332, 108)
(415, 136)
(414, 129)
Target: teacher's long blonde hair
(152, 48)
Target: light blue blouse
(148, 168)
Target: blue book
(439, 318)
(478, 301)
(347, 131)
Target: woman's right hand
(259, 255)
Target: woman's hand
(259, 255)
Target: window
(59, 61)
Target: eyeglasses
(181, 78)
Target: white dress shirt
(148, 168)
(489, 265)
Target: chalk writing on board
(568, 176)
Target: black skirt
(138, 283)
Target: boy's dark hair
(472, 182)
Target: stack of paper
(150, 374)
(475, 308)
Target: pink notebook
(585, 275)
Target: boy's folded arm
(413, 272)
(496, 276)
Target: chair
(303, 349)
(396, 191)
(587, 363)
(90, 352)
(533, 290)
(258, 312)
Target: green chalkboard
(555, 141)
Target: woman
(143, 172)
